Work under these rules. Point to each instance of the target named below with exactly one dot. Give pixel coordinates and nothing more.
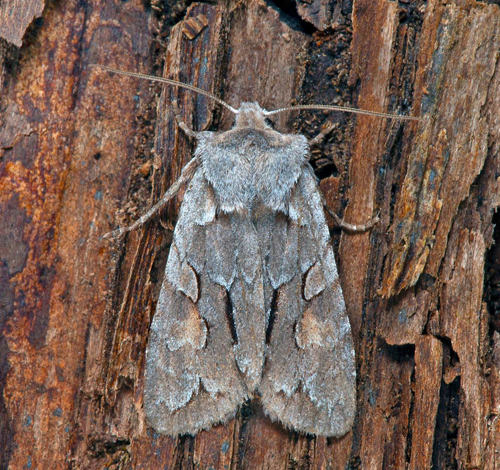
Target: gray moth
(251, 301)
(251, 304)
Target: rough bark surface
(82, 152)
(16, 16)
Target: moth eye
(270, 123)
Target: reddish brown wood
(428, 376)
(373, 35)
(82, 151)
(57, 179)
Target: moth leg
(186, 175)
(177, 114)
(320, 137)
(351, 227)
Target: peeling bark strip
(428, 376)
(74, 147)
(194, 26)
(450, 153)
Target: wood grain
(82, 151)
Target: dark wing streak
(248, 301)
(192, 380)
(264, 224)
(309, 381)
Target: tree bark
(83, 152)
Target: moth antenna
(152, 78)
(345, 109)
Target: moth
(251, 304)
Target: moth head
(251, 115)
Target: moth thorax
(251, 115)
